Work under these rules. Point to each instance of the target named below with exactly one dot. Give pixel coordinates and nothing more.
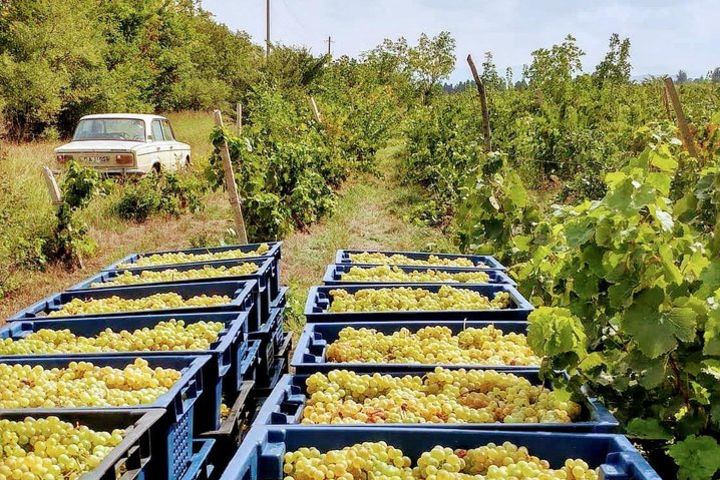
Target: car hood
(100, 146)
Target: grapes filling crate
(174, 433)
(134, 454)
(429, 301)
(198, 256)
(348, 274)
(227, 350)
(179, 298)
(406, 259)
(262, 456)
(261, 270)
(287, 404)
(311, 353)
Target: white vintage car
(121, 144)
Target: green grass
(370, 214)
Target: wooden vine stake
(316, 111)
(230, 184)
(483, 104)
(238, 116)
(52, 186)
(682, 123)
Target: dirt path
(371, 213)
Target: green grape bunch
(51, 449)
(441, 397)
(115, 304)
(378, 460)
(388, 273)
(181, 257)
(432, 345)
(173, 275)
(166, 336)
(83, 384)
(378, 258)
(399, 299)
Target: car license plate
(96, 159)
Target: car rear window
(110, 129)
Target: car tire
(157, 168)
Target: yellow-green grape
(411, 299)
(82, 384)
(441, 396)
(180, 257)
(171, 335)
(388, 273)
(51, 449)
(398, 259)
(369, 460)
(172, 275)
(115, 304)
(429, 345)
(378, 460)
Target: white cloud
(666, 34)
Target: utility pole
(267, 29)
(329, 47)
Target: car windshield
(110, 129)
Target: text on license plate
(96, 159)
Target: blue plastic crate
(175, 442)
(241, 293)
(280, 300)
(200, 467)
(279, 366)
(249, 365)
(480, 261)
(309, 356)
(319, 300)
(271, 334)
(135, 453)
(335, 272)
(227, 352)
(227, 436)
(264, 276)
(286, 403)
(275, 252)
(260, 457)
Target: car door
(161, 146)
(177, 153)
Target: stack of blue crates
(192, 431)
(277, 428)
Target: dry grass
(115, 238)
(369, 215)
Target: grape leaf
(697, 457)
(712, 333)
(554, 331)
(647, 428)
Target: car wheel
(187, 161)
(157, 168)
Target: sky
(666, 35)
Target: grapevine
(115, 304)
(436, 344)
(172, 275)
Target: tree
(509, 78)
(681, 77)
(715, 75)
(489, 75)
(615, 67)
(431, 60)
(552, 70)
